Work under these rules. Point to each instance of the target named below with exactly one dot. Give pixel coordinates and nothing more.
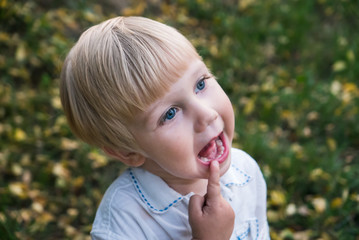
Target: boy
(137, 89)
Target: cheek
(173, 141)
(226, 109)
(227, 114)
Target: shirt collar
(159, 197)
(235, 176)
(153, 191)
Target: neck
(180, 185)
(198, 186)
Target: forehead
(193, 70)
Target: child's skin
(138, 90)
(211, 217)
(183, 121)
(173, 130)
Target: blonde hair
(116, 70)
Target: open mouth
(214, 150)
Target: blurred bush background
(290, 68)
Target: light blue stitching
(257, 228)
(245, 234)
(248, 178)
(145, 199)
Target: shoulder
(116, 210)
(120, 190)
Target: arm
(261, 208)
(211, 217)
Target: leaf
(98, 160)
(277, 197)
(339, 66)
(19, 135)
(18, 189)
(21, 54)
(336, 203)
(69, 144)
(60, 171)
(249, 107)
(319, 204)
(332, 144)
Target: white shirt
(139, 205)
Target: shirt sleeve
(261, 208)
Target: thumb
(213, 187)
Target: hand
(211, 217)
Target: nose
(204, 116)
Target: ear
(132, 159)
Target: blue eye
(201, 84)
(170, 114)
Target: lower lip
(224, 155)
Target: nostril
(205, 119)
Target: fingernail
(215, 163)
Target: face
(191, 125)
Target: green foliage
(289, 67)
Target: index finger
(213, 187)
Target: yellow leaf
(78, 182)
(3, 3)
(350, 88)
(354, 197)
(20, 54)
(56, 102)
(249, 107)
(73, 212)
(70, 230)
(336, 202)
(319, 204)
(18, 189)
(335, 88)
(286, 114)
(38, 207)
(213, 50)
(90, 16)
(342, 41)
(277, 198)
(60, 171)
(273, 216)
(16, 169)
(286, 234)
(350, 55)
(303, 210)
(244, 4)
(68, 144)
(302, 235)
(26, 214)
(19, 135)
(4, 37)
(138, 10)
(339, 66)
(332, 144)
(98, 159)
(318, 173)
(291, 209)
(45, 218)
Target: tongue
(209, 151)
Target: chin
(224, 166)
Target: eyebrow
(195, 73)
